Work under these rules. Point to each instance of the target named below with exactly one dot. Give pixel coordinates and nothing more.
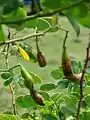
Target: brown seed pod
(40, 56)
(41, 59)
(37, 97)
(67, 68)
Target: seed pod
(67, 68)
(66, 63)
(37, 97)
(40, 56)
(28, 78)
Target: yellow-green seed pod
(28, 80)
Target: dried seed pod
(67, 68)
(66, 63)
(40, 56)
(37, 97)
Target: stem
(43, 14)
(81, 81)
(31, 35)
(5, 70)
(11, 85)
(65, 39)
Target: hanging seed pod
(67, 68)
(28, 80)
(40, 56)
(37, 97)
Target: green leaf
(47, 87)
(7, 117)
(87, 115)
(50, 4)
(74, 25)
(6, 75)
(45, 95)
(87, 99)
(18, 14)
(31, 23)
(57, 74)
(25, 101)
(87, 90)
(75, 66)
(42, 24)
(35, 77)
(25, 115)
(62, 84)
(85, 20)
(56, 96)
(2, 35)
(48, 116)
(8, 81)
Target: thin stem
(66, 36)
(81, 81)
(43, 14)
(31, 35)
(5, 70)
(11, 85)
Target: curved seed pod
(28, 78)
(74, 77)
(37, 97)
(66, 63)
(67, 68)
(40, 56)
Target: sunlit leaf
(23, 53)
(87, 99)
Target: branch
(31, 36)
(42, 14)
(81, 82)
(5, 70)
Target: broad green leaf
(35, 77)
(50, 4)
(47, 87)
(6, 75)
(8, 81)
(68, 109)
(87, 115)
(74, 25)
(31, 23)
(87, 99)
(25, 101)
(75, 66)
(85, 20)
(57, 74)
(2, 35)
(56, 96)
(42, 24)
(18, 14)
(23, 53)
(62, 84)
(87, 90)
(45, 95)
(79, 11)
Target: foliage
(56, 105)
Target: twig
(11, 85)
(81, 81)
(31, 36)
(65, 39)
(42, 14)
(5, 70)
